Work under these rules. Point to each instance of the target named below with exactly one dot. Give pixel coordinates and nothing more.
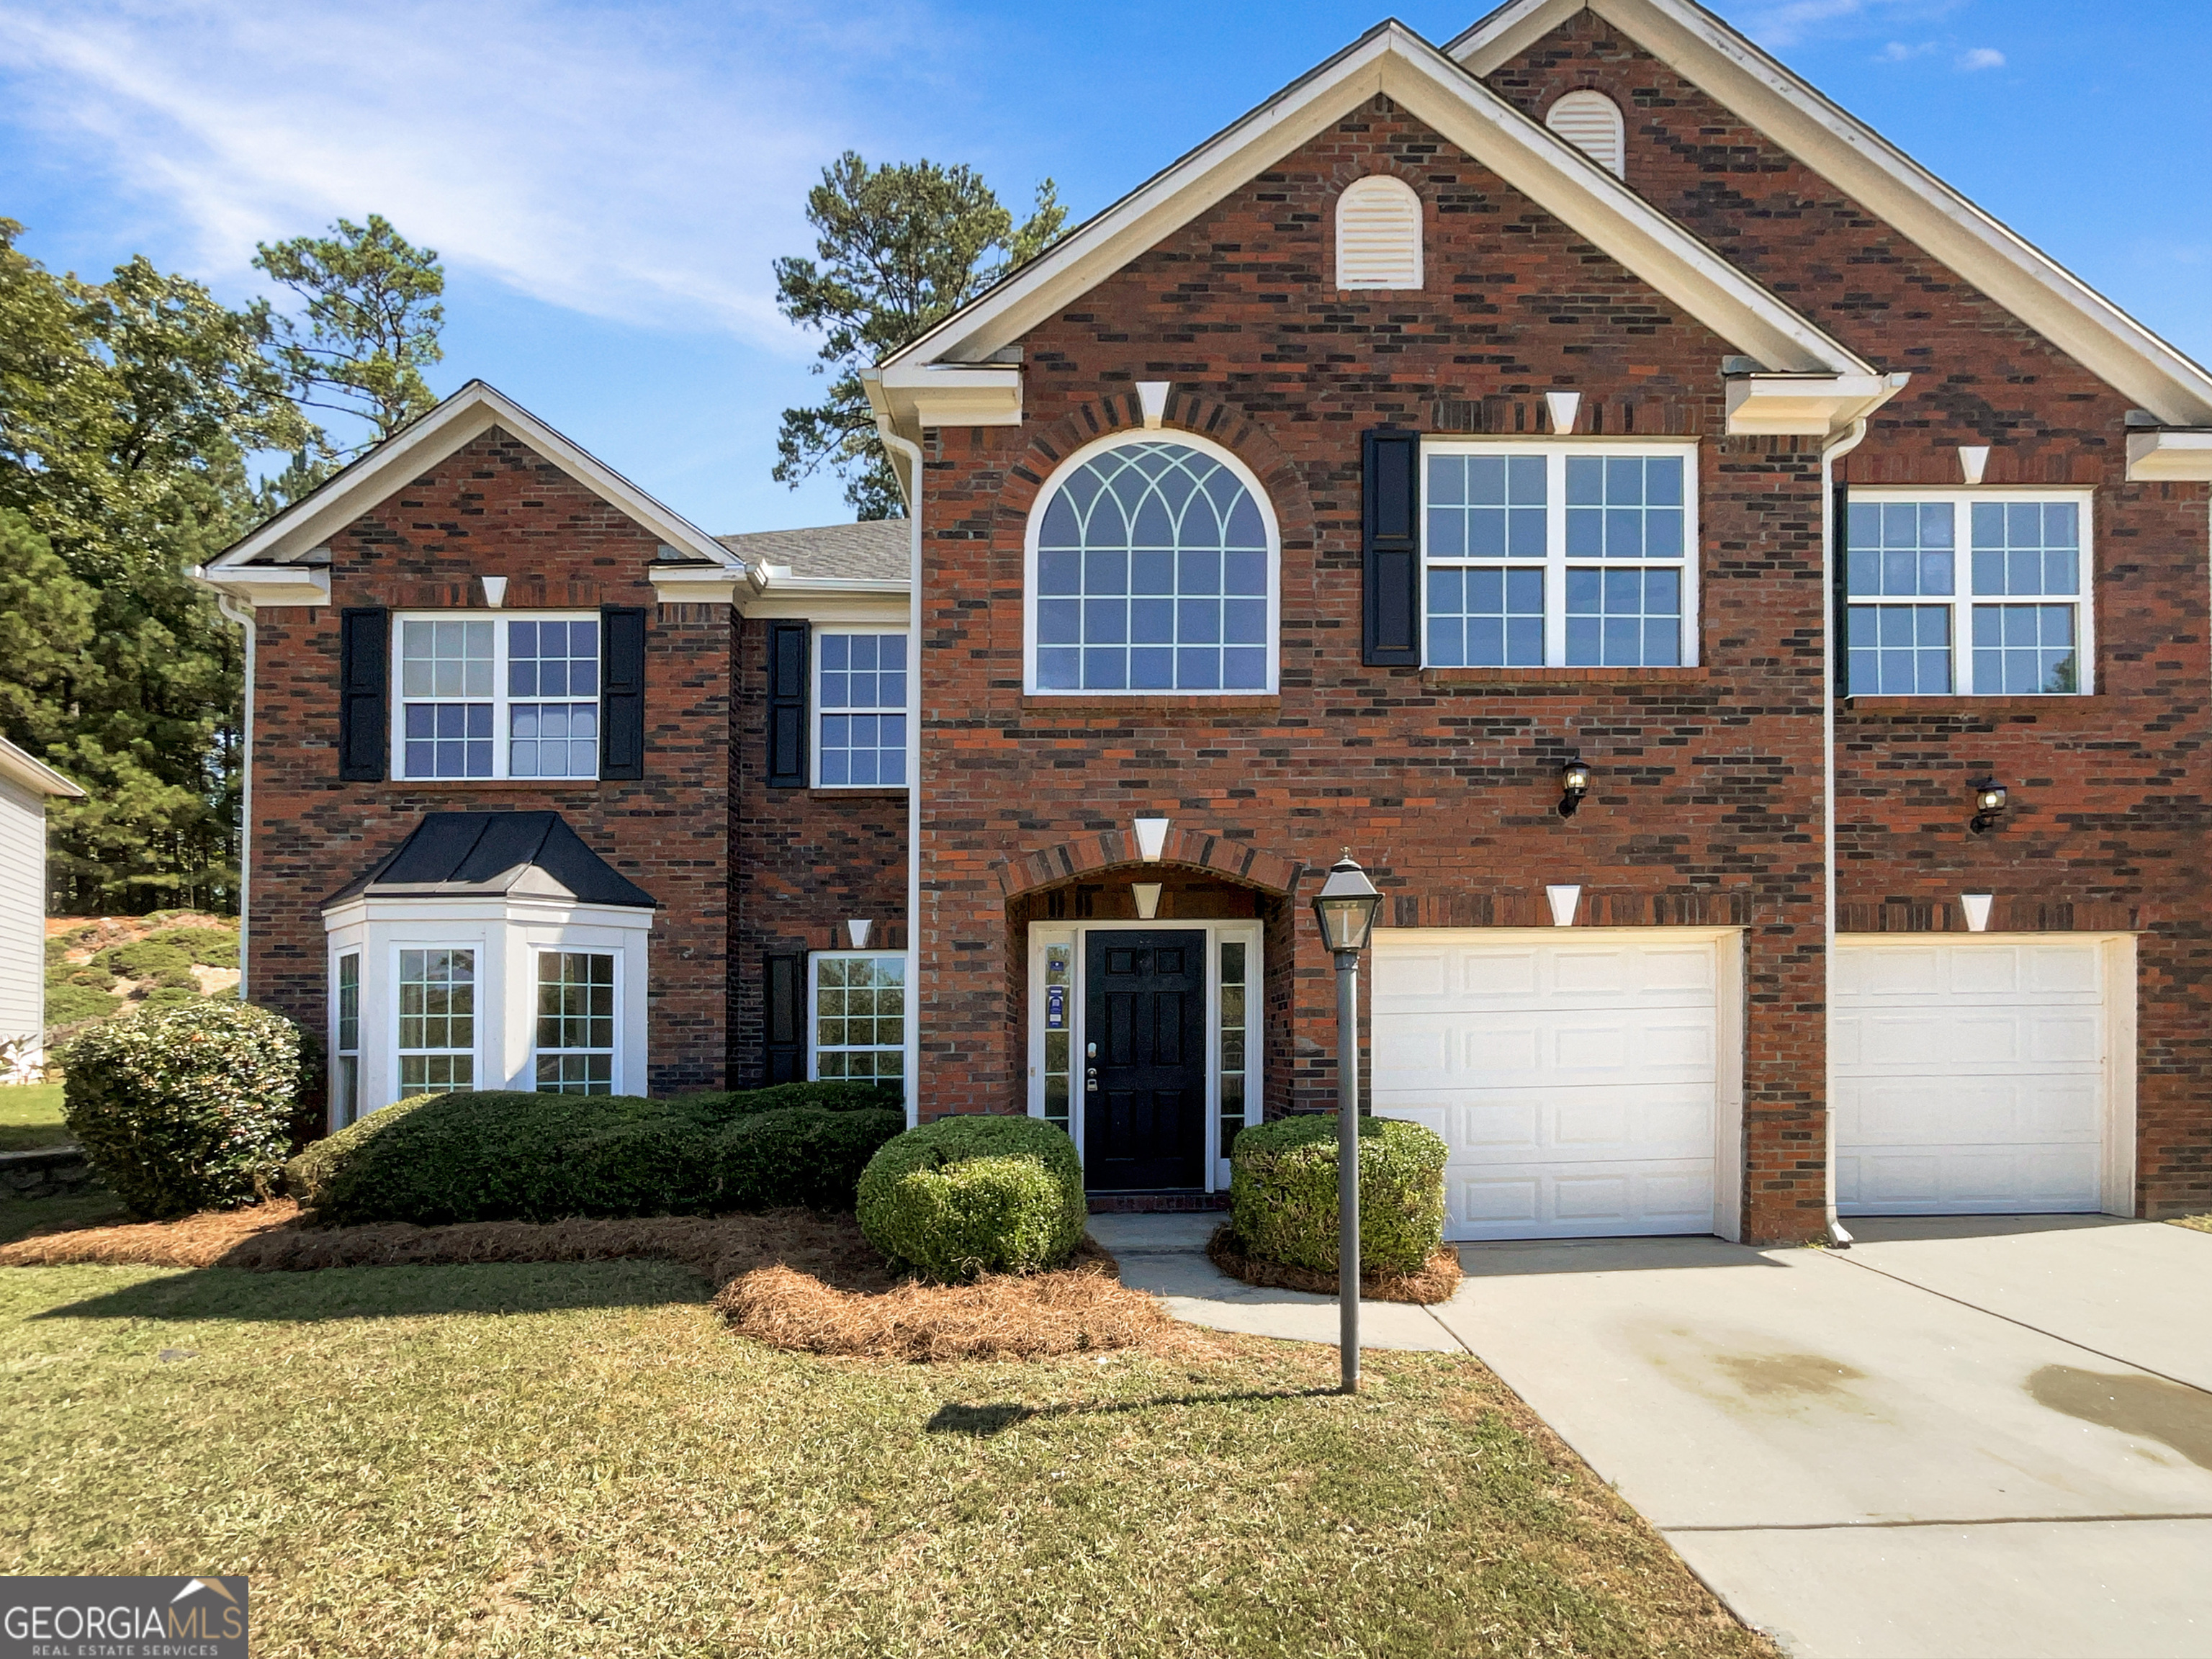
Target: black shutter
(784, 1020)
(1839, 609)
(1390, 547)
(364, 692)
(621, 691)
(787, 705)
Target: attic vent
(1590, 121)
(1379, 234)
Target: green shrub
(143, 959)
(99, 978)
(184, 1109)
(169, 996)
(211, 947)
(971, 1194)
(500, 1156)
(68, 1004)
(1282, 1192)
(798, 1155)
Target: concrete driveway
(1964, 1436)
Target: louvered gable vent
(1591, 121)
(1379, 234)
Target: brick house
(1589, 390)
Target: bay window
(575, 1046)
(1559, 555)
(437, 1021)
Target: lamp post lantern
(1346, 908)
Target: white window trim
(476, 966)
(1249, 933)
(1556, 563)
(816, 711)
(342, 1111)
(814, 961)
(614, 1052)
(500, 701)
(507, 933)
(1036, 526)
(1962, 600)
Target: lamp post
(1346, 908)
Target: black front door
(1143, 1064)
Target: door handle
(1090, 1080)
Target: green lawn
(2202, 1223)
(581, 1460)
(30, 1115)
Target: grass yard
(30, 1115)
(2201, 1224)
(581, 1460)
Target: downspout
(243, 616)
(912, 452)
(1853, 435)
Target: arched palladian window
(1152, 569)
(1378, 233)
(1591, 121)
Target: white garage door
(1572, 1074)
(1970, 1076)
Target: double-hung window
(860, 706)
(859, 1015)
(1967, 594)
(576, 1036)
(1559, 554)
(504, 697)
(437, 1021)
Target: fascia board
(1777, 405)
(885, 610)
(261, 584)
(34, 774)
(2170, 457)
(467, 414)
(433, 910)
(695, 584)
(953, 394)
(1392, 60)
(1888, 183)
(1505, 34)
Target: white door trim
(1249, 932)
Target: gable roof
(1389, 59)
(309, 522)
(1882, 179)
(492, 855)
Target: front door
(1144, 1063)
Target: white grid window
(506, 697)
(861, 707)
(437, 1021)
(345, 1045)
(859, 1016)
(1964, 594)
(1561, 555)
(575, 1046)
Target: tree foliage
(897, 249)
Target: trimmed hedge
(974, 1194)
(1282, 1193)
(500, 1156)
(181, 1109)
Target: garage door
(1572, 1074)
(1970, 1076)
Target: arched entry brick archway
(1232, 860)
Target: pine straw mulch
(792, 1279)
(1436, 1281)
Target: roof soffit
(466, 415)
(1392, 60)
(1849, 153)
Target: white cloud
(1898, 53)
(637, 164)
(1982, 57)
(1782, 23)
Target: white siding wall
(22, 910)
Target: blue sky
(608, 183)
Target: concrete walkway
(1962, 1438)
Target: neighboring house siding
(1708, 802)
(807, 860)
(493, 508)
(22, 911)
(2105, 828)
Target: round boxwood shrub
(181, 1109)
(500, 1156)
(974, 1194)
(1282, 1193)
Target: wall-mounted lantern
(1988, 803)
(1574, 784)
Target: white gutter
(243, 616)
(912, 451)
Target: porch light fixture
(1574, 784)
(1147, 895)
(1346, 908)
(1988, 803)
(1151, 838)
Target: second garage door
(1575, 1075)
